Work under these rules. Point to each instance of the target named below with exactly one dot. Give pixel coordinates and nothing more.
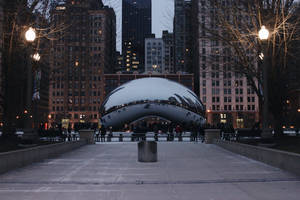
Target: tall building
(120, 62)
(136, 26)
(154, 55)
(226, 94)
(168, 39)
(1, 75)
(183, 36)
(80, 55)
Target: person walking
(97, 135)
(103, 133)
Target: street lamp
(30, 35)
(263, 35)
(36, 57)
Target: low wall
(281, 159)
(14, 159)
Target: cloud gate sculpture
(151, 97)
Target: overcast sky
(162, 16)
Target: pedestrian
(97, 135)
(103, 133)
(110, 134)
(201, 133)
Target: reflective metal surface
(151, 96)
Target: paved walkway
(184, 171)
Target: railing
(150, 136)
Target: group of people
(139, 132)
(102, 132)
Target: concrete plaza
(184, 171)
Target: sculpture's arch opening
(150, 123)
(151, 97)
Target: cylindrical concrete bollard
(147, 151)
(211, 134)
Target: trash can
(147, 151)
(87, 134)
(211, 134)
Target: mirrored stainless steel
(151, 97)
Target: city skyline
(162, 17)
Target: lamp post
(263, 35)
(30, 36)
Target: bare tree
(18, 16)
(236, 24)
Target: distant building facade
(119, 62)
(168, 39)
(136, 26)
(1, 75)
(183, 36)
(226, 94)
(154, 55)
(80, 56)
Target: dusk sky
(162, 16)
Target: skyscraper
(136, 26)
(168, 39)
(82, 52)
(1, 78)
(183, 35)
(155, 55)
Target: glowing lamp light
(36, 57)
(261, 56)
(263, 33)
(30, 35)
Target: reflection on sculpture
(151, 97)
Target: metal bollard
(121, 137)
